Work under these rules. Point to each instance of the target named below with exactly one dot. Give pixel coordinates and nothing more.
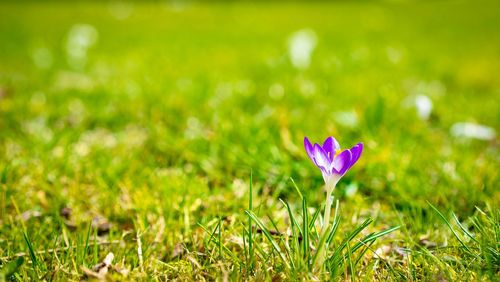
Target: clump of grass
(297, 251)
(300, 251)
(479, 240)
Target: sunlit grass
(149, 138)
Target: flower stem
(328, 208)
(326, 222)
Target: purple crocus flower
(331, 160)
(333, 163)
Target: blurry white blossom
(80, 38)
(383, 252)
(351, 189)
(423, 104)
(301, 46)
(473, 131)
(240, 188)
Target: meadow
(170, 134)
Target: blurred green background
(127, 109)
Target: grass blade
(287, 248)
(293, 220)
(269, 237)
(31, 250)
(351, 266)
(215, 241)
(296, 188)
(346, 241)
(250, 227)
(305, 229)
(463, 228)
(296, 230)
(450, 227)
(313, 219)
(372, 237)
(87, 246)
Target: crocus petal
(341, 162)
(309, 148)
(356, 151)
(332, 165)
(320, 158)
(330, 146)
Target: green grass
(175, 142)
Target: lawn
(170, 134)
